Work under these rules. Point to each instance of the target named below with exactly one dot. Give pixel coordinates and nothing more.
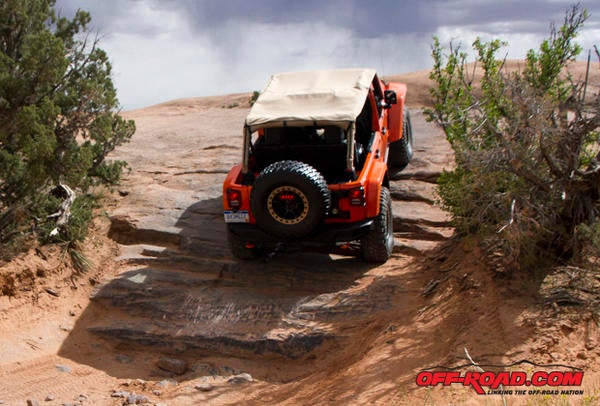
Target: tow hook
(279, 247)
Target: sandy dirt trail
(176, 290)
(308, 328)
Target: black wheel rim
(288, 205)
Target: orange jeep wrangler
(318, 151)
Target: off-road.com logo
(505, 379)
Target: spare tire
(290, 199)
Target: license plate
(237, 217)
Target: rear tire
(401, 151)
(378, 244)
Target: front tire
(401, 151)
(378, 244)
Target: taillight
(357, 197)
(234, 197)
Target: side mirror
(390, 97)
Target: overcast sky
(168, 49)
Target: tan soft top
(325, 97)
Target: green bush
(58, 116)
(528, 166)
(253, 98)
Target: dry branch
(478, 368)
(512, 217)
(64, 211)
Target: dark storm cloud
(165, 49)
(368, 19)
(112, 17)
(527, 17)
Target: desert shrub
(58, 117)
(81, 214)
(526, 146)
(253, 98)
(588, 237)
